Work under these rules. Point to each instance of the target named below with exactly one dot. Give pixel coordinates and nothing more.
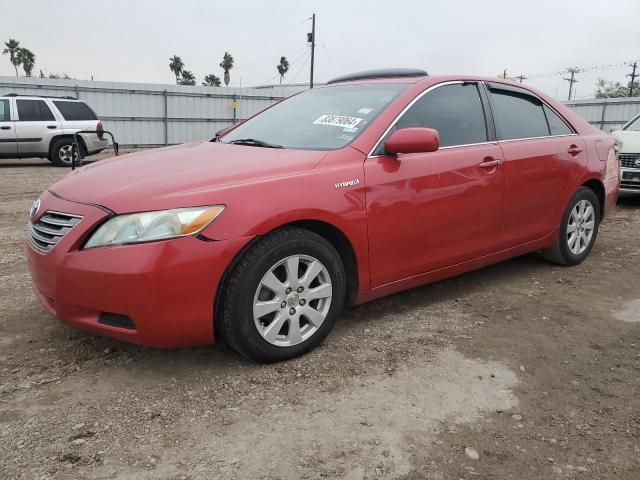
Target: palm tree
(211, 81)
(226, 65)
(27, 58)
(283, 67)
(188, 78)
(176, 66)
(13, 46)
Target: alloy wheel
(580, 227)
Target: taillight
(100, 130)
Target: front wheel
(283, 296)
(578, 230)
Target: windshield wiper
(255, 143)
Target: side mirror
(413, 140)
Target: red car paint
(410, 220)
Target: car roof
(17, 95)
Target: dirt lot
(522, 370)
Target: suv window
(75, 110)
(634, 126)
(557, 126)
(455, 111)
(5, 115)
(518, 115)
(34, 111)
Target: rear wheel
(62, 151)
(578, 230)
(283, 296)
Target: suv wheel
(283, 296)
(61, 152)
(578, 230)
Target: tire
(260, 323)
(60, 152)
(569, 250)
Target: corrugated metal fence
(153, 115)
(607, 114)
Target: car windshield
(634, 126)
(319, 119)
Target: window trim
(18, 119)
(422, 94)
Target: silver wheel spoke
(295, 335)
(272, 283)
(292, 266)
(323, 291)
(588, 213)
(271, 331)
(571, 228)
(312, 272)
(260, 309)
(314, 316)
(589, 225)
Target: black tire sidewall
(55, 152)
(569, 257)
(240, 314)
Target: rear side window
(75, 110)
(455, 111)
(34, 111)
(5, 116)
(518, 115)
(557, 125)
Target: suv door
(544, 159)
(8, 146)
(34, 126)
(431, 210)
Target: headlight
(151, 226)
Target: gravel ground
(522, 370)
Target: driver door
(431, 210)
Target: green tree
(226, 65)
(283, 67)
(12, 48)
(187, 78)
(27, 58)
(211, 81)
(608, 89)
(176, 66)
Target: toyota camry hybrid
(374, 183)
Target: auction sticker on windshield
(338, 121)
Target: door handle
(574, 150)
(5, 127)
(51, 127)
(490, 163)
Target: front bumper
(166, 288)
(630, 180)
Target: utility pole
(571, 80)
(522, 78)
(633, 76)
(504, 74)
(311, 37)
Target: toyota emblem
(637, 162)
(35, 206)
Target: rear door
(34, 126)
(543, 159)
(8, 146)
(426, 211)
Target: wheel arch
(326, 230)
(597, 187)
(61, 136)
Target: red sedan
(372, 184)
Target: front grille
(628, 160)
(50, 229)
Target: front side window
(634, 126)
(517, 115)
(34, 111)
(5, 115)
(455, 111)
(74, 110)
(557, 126)
(325, 118)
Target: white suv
(629, 138)
(35, 126)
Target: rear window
(517, 115)
(557, 125)
(75, 110)
(34, 111)
(4, 111)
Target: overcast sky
(132, 40)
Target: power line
(301, 68)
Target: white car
(37, 126)
(629, 139)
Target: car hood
(630, 140)
(180, 176)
